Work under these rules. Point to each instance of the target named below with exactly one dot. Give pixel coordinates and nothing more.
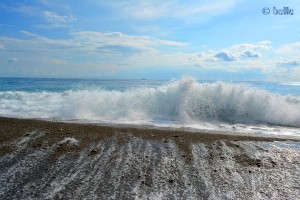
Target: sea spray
(182, 101)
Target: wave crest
(181, 101)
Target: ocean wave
(182, 101)
(291, 83)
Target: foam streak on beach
(53, 160)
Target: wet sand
(56, 160)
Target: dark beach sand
(55, 160)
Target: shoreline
(53, 132)
(138, 129)
(58, 160)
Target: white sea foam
(179, 102)
(69, 141)
(291, 83)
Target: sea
(229, 106)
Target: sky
(130, 39)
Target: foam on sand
(135, 163)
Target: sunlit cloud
(97, 50)
(58, 20)
(90, 43)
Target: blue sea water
(61, 85)
(260, 107)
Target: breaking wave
(181, 101)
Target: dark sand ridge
(144, 161)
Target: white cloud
(288, 63)
(23, 9)
(191, 11)
(251, 54)
(55, 61)
(120, 51)
(248, 47)
(44, 2)
(90, 43)
(1, 47)
(56, 20)
(238, 52)
(289, 49)
(29, 33)
(225, 56)
(144, 9)
(246, 50)
(265, 42)
(294, 74)
(52, 19)
(95, 41)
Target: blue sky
(219, 40)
